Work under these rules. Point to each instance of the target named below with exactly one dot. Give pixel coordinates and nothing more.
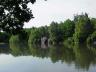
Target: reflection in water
(4, 48)
(19, 49)
(37, 51)
(61, 53)
(83, 57)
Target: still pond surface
(32, 58)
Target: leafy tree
(93, 21)
(13, 14)
(19, 38)
(37, 34)
(55, 33)
(83, 28)
(92, 38)
(27, 32)
(60, 32)
(68, 28)
(44, 31)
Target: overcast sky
(59, 10)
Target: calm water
(23, 58)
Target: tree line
(79, 30)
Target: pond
(35, 58)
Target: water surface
(21, 58)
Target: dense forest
(77, 31)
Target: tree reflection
(61, 53)
(37, 51)
(81, 55)
(84, 57)
(4, 48)
(19, 49)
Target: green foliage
(27, 33)
(69, 42)
(19, 38)
(34, 36)
(93, 21)
(37, 34)
(4, 37)
(82, 55)
(18, 49)
(61, 53)
(60, 32)
(14, 39)
(55, 33)
(92, 38)
(13, 14)
(37, 51)
(83, 28)
(78, 30)
(43, 31)
(68, 28)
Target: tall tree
(68, 28)
(55, 33)
(13, 14)
(83, 28)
